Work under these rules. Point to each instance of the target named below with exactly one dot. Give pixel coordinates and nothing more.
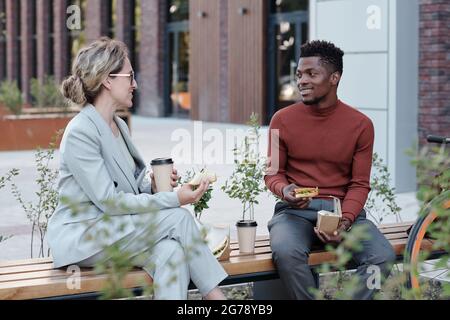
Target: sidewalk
(153, 139)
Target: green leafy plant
(339, 285)
(433, 177)
(381, 190)
(47, 94)
(246, 181)
(11, 96)
(3, 180)
(47, 196)
(433, 171)
(4, 238)
(201, 204)
(8, 176)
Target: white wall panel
(364, 82)
(353, 25)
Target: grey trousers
(292, 237)
(176, 256)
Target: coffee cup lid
(159, 161)
(246, 223)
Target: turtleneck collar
(325, 111)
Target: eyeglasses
(131, 75)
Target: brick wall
(224, 108)
(97, 16)
(12, 46)
(151, 58)
(434, 68)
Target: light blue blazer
(93, 171)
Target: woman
(99, 165)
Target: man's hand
(336, 237)
(289, 197)
(174, 180)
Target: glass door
(178, 100)
(287, 31)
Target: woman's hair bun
(72, 89)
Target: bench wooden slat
(395, 225)
(39, 288)
(24, 262)
(24, 268)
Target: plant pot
(246, 230)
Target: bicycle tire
(416, 237)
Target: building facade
(221, 60)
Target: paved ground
(154, 138)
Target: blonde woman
(99, 163)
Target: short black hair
(327, 51)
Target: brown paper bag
(328, 221)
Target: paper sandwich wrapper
(328, 221)
(218, 239)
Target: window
(51, 70)
(178, 101)
(178, 10)
(283, 6)
(288, 30)
(33, 40)
(111, 17)
(19, 48)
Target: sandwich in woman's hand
(306, 192)
(199, 175)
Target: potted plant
(27, 127)
(246, 184)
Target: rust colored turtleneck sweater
(329, 148)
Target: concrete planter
(27, 132)
(37, 126)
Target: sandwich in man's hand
(306, 192)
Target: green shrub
(381, 190)
(47, 94)
(3, 180)
(39, 212)
(11, 96)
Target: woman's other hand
(174, 179)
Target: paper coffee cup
(246, 235)
(162, 170)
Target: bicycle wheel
(420, 243)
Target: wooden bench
(36, 278)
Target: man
(321, 142)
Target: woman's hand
(174, 180)
(187, 196)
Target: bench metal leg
(269, 290)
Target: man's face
(314, 80)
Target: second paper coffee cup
(162, 170)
